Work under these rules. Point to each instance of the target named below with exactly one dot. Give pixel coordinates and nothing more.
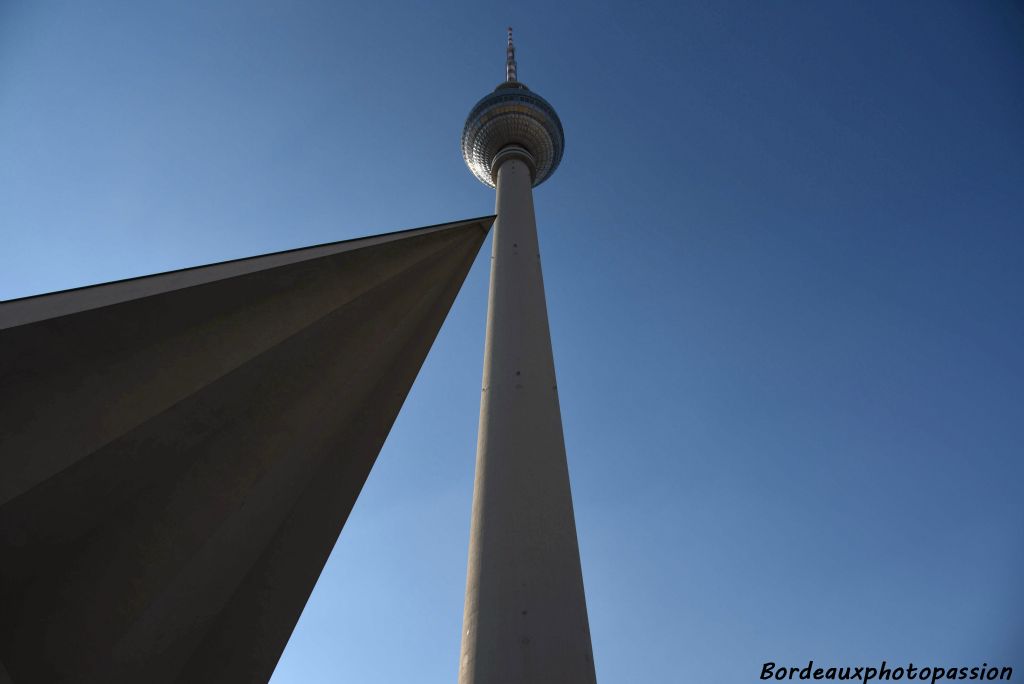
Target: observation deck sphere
(512, 115)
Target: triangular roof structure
(179, 452)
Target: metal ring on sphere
(512, 115)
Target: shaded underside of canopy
(179, 452)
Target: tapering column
(525, 616)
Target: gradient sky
(784, 262)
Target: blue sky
(784, 262)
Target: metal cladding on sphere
(512, 116)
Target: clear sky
(785, 270)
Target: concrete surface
(179, 453)
(525, 616)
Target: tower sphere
(512, 121)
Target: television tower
(525, 617)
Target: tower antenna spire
(510, 59)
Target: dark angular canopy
(178, 453)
